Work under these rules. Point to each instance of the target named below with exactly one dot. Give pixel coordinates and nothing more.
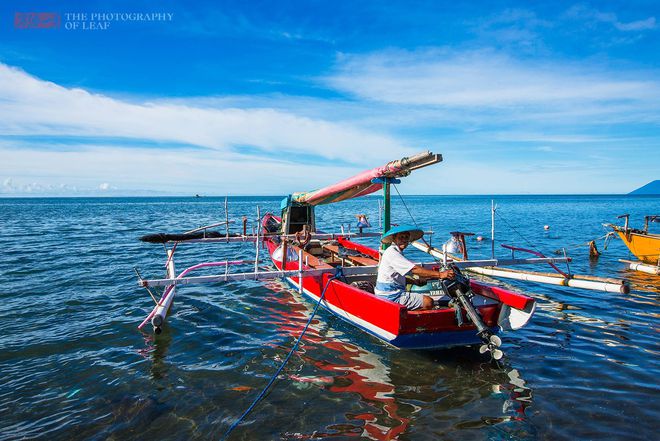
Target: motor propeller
(459, 290)
(492, 345)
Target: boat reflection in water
(156, 348)
(399, 391)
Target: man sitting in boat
(393, 268)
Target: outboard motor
(459, 291)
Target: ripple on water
(74, 366)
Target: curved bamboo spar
(361, 184)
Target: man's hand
(449, 274)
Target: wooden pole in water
(492, 228)
(226, 217)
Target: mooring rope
(606, 236)
(413, 218)
(406, 206)
(337, 275)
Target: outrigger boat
(351, 297)
(644, 245)
(339, 273)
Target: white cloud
(483, 110)
(30, 106)
(442, 77)
(585, 13)
(8, 185)
(47, 188)
(167, 172)
(638, 25)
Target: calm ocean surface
(74, 366)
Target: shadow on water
(127, 412)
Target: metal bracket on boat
(541, 255)
(386, 181)
(145, 284)
(457, 310)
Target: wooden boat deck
(355, 260)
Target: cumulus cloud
(11, 187)
(8, 185)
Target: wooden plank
(311, 260)
(359, 260)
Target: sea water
(73, 364)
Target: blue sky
(274, 97)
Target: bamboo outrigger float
(338, 273)
(498, 269)
(644, 245)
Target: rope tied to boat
(338, 274)
(606, 236)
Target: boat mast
(386, 204)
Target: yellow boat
(644, 245)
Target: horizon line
(37, 196)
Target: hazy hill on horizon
(652, 187)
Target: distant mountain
(650, 188)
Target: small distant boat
(644, 245)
